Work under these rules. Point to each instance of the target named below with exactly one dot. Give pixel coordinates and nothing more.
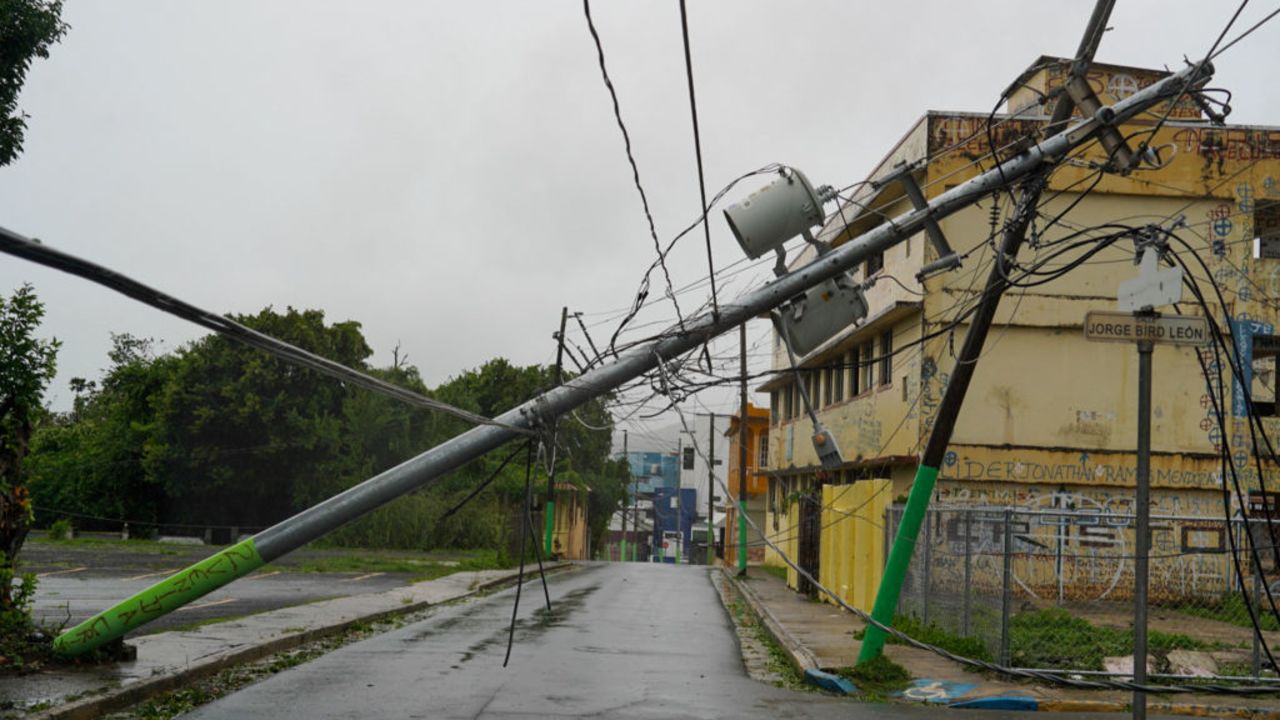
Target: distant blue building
(672, 515)
(653, 470)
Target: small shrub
(62, 530)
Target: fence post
(1257, 608)
(1006, 595)
(928, 561)
(968, 569)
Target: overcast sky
(450, 174)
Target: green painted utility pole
(550, 505)
(742, 452)
(1015, 231)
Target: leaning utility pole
(550, 504)
(539, 413)
(711, 489)
(630, 476)
(742, 451)
(953, 397)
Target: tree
(90, 460)
(27, 364)
(27, 29)
(239, 434)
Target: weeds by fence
(1053, 589)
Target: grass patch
(932, 634)
(877, 678)
(1232, 609)
(419, 566)
(774, 570)
(1054, 638)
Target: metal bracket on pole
(1120, 157)
(947, 258)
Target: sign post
(1147, 328)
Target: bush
(22, 644)
(62, 530)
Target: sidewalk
(819, 635)
(170, 659)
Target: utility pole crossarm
(421, 471)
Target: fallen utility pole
(1015, 232)
(538, 414)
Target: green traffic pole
(895, 570)
(944, 423)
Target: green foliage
(27, 29)
(22, 644)
(932, 634)
(877, 677)
(1232, 609)
(90, 461)
(61, 530)
(1054, 638)
(27, 364)
(217, 433)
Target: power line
(37, 252)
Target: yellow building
(1050, 418)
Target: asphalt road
(623, 641)
(76, 582)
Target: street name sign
(1127, 327)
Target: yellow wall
(851, 559)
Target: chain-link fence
(1053, 589)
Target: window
(828, 391)
(874, 264)
(811, 387)
(1263, 388)
(868, 366)
(1266, 229)
(789, 402)
(773, 407)
(886, 358)
(763, 460)
(855, 373)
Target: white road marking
(63, 572)
(362, 577)
(259, 577)
(211, 603)
(154, 574)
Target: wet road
(623, 641)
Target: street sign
(1126, 327)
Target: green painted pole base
(160, 599)
(895, 570)
(551, 527)
(623, 555)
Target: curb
(119, 698)
(799, 655)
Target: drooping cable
(37, 252)
(635, 170)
